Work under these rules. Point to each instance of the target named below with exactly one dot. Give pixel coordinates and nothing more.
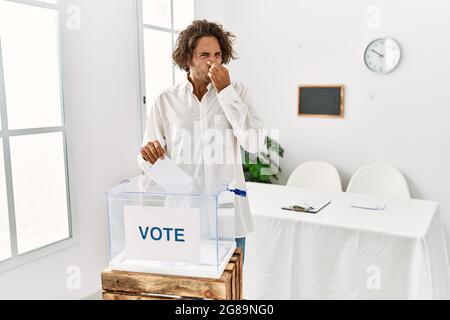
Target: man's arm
(153, 142)
(238, 108)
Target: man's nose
(215, 60)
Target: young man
(202, 122)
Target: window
(34, 200)
(5, 246)
(160, 22)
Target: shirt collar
(188, 85)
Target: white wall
(401, 118)
(103, 136)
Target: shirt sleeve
(237, 106)
(154, 128)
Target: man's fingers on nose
(213, 65)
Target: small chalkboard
(321, 100)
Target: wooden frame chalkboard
(321, 101)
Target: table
(343, 252)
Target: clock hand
(379, 54)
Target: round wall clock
(382, 55)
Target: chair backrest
(381, 179)
(316, 174)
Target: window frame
(17, 259)
(141, 26)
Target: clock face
(382, 55)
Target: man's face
(208, 49)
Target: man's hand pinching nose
(219, 75)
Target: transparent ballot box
(171, 229)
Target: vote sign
(160, 233)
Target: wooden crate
(124, 285)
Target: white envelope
(165, 171)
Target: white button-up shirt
(204, 137)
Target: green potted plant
(253, 164)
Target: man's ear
(189, 63)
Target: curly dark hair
(188, 38)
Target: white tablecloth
(343, 252)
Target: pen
(295, 208)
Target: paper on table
(312, 204)
(166, 171)
(369, 206)
(309, 207)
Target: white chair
(316, 174)
(380, 179)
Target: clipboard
(297, 208)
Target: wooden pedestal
(124, 285)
